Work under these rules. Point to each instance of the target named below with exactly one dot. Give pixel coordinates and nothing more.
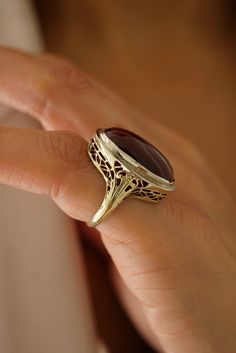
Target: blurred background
(175, 61)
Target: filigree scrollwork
(117, 176)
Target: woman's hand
(177, 258)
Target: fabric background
(44, 301)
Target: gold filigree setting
(124, 177)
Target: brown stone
(142, 151)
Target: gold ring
(131, 167)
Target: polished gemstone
(142, 151)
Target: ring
(131, 167)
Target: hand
(177, 258)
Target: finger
(62, 97)
(55, 163)
(35, 160)
(56, 93)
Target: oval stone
(141, 151)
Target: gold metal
(124, 177)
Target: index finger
(57, 93)
(62, 97)
(56, 163)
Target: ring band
(131, 167)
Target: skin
(177, 259)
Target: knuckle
(58, 74)
(43, 92)
(65, 73)
(67, 147)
